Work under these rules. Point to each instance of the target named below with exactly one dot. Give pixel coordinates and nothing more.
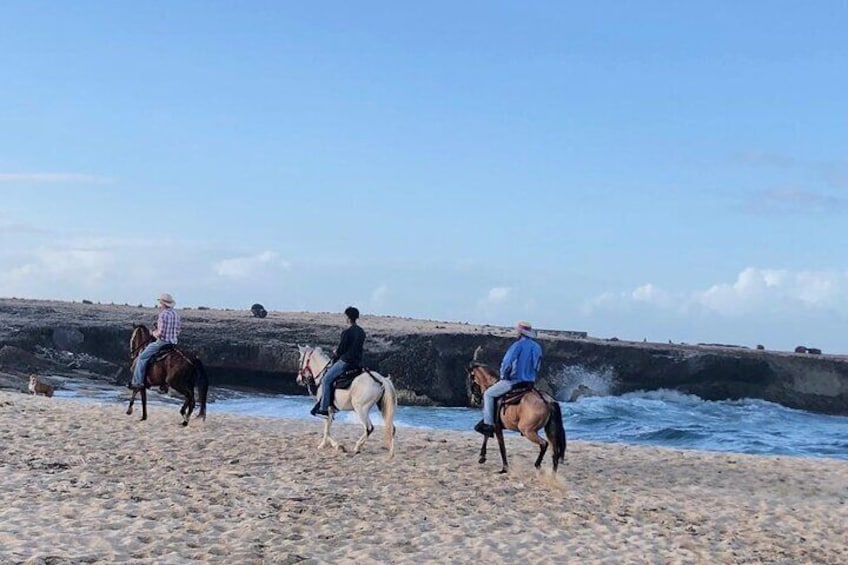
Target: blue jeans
(500, 388)
(142, 360)
(331, 375)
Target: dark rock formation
(426, 360)
(258, 311)
(800, 349)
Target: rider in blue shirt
(520, 364)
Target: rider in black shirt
(348, 355)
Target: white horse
(368, 388)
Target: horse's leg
(533, 436)
(327, 437)
(362, 412)
(180, 387)
(143, 403)
(132, 400)
(502, 446)
(483, 450)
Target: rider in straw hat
(166, 332)
(521, 363)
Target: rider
(166, 332)
(348, 355)
(520, 364)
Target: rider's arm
(508, 363)
(161, 322)
(344, 345)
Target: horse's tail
(202, 382)
(555, 431)
(388, 402)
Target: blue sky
(633, 169)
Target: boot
(484, 429)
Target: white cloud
(498, 295)
(244, 267)
(54, 178)
(494, 301)
(788, 200)
(85, 267)
(754, 290)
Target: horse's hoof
(342, 449)
(503, 472)
(481, 460)
(184, 423)
(129, 411)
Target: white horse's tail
(387, 408)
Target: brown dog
(37, 387)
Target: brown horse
(533, 412)
(178, 369)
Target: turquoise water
(661, 418)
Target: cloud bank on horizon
(805, 305)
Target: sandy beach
(84, 483)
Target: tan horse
(533, 412)
(177, 369)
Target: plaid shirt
(169, 325)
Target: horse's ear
(300, 349)
(477, 353)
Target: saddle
(346, 379)
(515, 395)
(162, 353)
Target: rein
(134, 352)
(311, 379)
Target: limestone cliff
(426, 359)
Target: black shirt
(350, 346)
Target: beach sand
(84, 483)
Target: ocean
(660, 418)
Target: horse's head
(304, 366)
(140, 337)
(480, 377)
(310, 366)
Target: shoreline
(86, 482)
(461, 420)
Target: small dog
(37, 387)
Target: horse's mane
(317, 350)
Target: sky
(640, 170)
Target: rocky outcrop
(426, 360)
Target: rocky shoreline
(426, 359)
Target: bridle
(137, 349)
(474, 380)
(305, 374)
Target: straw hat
(524, 328)
(167, 300)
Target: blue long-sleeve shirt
(522, 360)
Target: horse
(533, 412)
(367, 389)
(178, 369)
